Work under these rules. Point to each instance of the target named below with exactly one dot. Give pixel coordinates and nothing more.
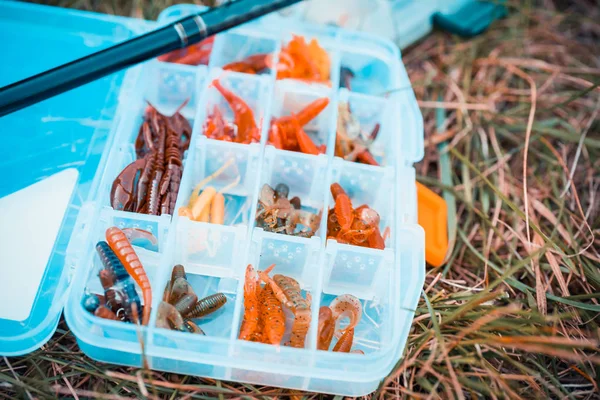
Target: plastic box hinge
(472, 18)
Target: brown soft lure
(192, 327)
(150, 184)
(107, 281)
(179, 287)
(124, 187)
(186, 303)
(169, 318)
(206, 306)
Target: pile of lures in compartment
(243, 129)
(344, 306)
(352, 143)
(356, 226)
(206, 204)
(180, 305)
(276, 213)
(264, 318)
(149, 185)
(122, 270)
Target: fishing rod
(181, 33)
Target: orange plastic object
(304, 61)
(433, 218)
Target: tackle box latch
(472, 18)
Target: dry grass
(513, 140)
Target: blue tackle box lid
(51, 150)
(50, 153)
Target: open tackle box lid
(52, 150)
(50, 154)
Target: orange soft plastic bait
(304, 61)
(433, 218)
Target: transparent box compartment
(240, 43)
(374, 116)
(215, 257)
(254, 89)
(291, 96)
(217, 325)
(328, 40)
(304, 175)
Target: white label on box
(29, 223)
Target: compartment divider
(237, 314)
(269, 83)
(132, 84)
(269, 86)
(126, 127)
(317, 293)
(186, 178)
(164, 270)
(336, 64)
(239, 301)
(218, 45)
(202, 85)
(273, 74)
(334, 99)
(195, 150)
(315, 305)
(394, 116)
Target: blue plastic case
(68, 132)
(92, 129)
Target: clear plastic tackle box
(61, 156)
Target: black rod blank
(181, 33)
